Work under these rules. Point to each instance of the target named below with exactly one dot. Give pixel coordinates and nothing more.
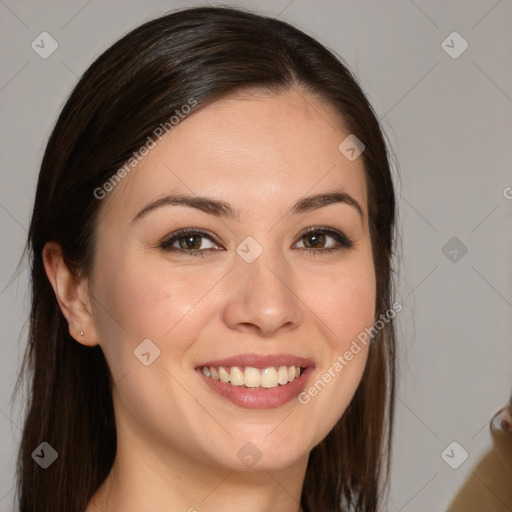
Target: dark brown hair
(134, 86)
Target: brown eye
(189, 242)
(317, 240)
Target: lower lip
(258, 398)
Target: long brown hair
(134, 86)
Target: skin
(177, 439)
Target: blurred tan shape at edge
(489, 487)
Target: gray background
(450, 124)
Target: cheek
(136, 300)
(143, 296)
(344, 301)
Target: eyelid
(185, 231)
(339, 236)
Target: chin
(264, 452)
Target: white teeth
(223, 374)
(252, 377)
(236, 376)
(282, 375)
(269, 377)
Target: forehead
(250, 150)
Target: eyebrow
(220, 208)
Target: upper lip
(260, 361)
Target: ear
(72, 295)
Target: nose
(262, 299)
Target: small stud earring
(81, 333)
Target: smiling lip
(260, 361)
(259, 398)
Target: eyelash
(344, 241)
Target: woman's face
(260, 294)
